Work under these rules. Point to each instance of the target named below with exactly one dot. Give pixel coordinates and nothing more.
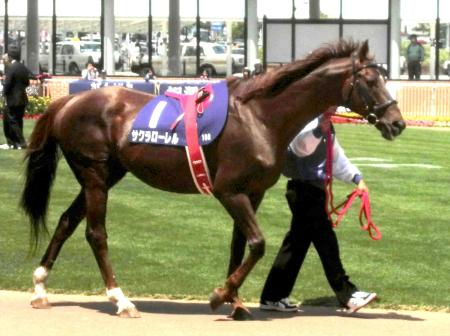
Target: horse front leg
(96, 199)
(242, 210)
(67, 224)
(237, 252)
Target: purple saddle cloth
(156, 122)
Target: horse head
(365, 93)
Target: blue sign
(85, 85)
(185, 87)
(153, 87)
(217, 26)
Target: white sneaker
(359, 300)
(5, 146)
(282, 306)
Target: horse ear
(364, 51)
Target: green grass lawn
(164, 244)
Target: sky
(363, 9)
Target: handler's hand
(362, 186)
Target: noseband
(373, 110)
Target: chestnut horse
(264, 114)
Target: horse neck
(306, 99)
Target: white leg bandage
(116, 295)
(39, 277)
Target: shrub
(36, 105)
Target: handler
(17, 78)
(305, 166)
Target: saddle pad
(154, 122)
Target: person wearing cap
(415, 55)
(310, 224)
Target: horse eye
(372, 82)
(369, 80)
(373, 78)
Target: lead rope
(341, 209)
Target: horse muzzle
(390, 129)
(386, 117)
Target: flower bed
(36, 106)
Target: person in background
(43, 84)
(415, 55)
(259, 69)
(90, 72)
(103, 75)
(150, 75)
(204, 75)
(17, 79)
(305, 165)
(246, 73)
(3, 62)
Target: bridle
(373, 110)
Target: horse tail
(41, 161)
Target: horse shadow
(309, 308)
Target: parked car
(213, 59)
(72, 56)
(238, 55)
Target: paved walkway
(93, 315)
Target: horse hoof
(40, 303)
(217, 298)
(131, 312)
(241, 314)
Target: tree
(237, 30)
(423, 28)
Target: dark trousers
(309, 224)
(13, 125)
(414, 70)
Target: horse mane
(275, 81)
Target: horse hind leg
(67, 224)
(96, 193)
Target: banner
(85, 85)
(184, 87)
(153, 87)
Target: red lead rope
(342, 208)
